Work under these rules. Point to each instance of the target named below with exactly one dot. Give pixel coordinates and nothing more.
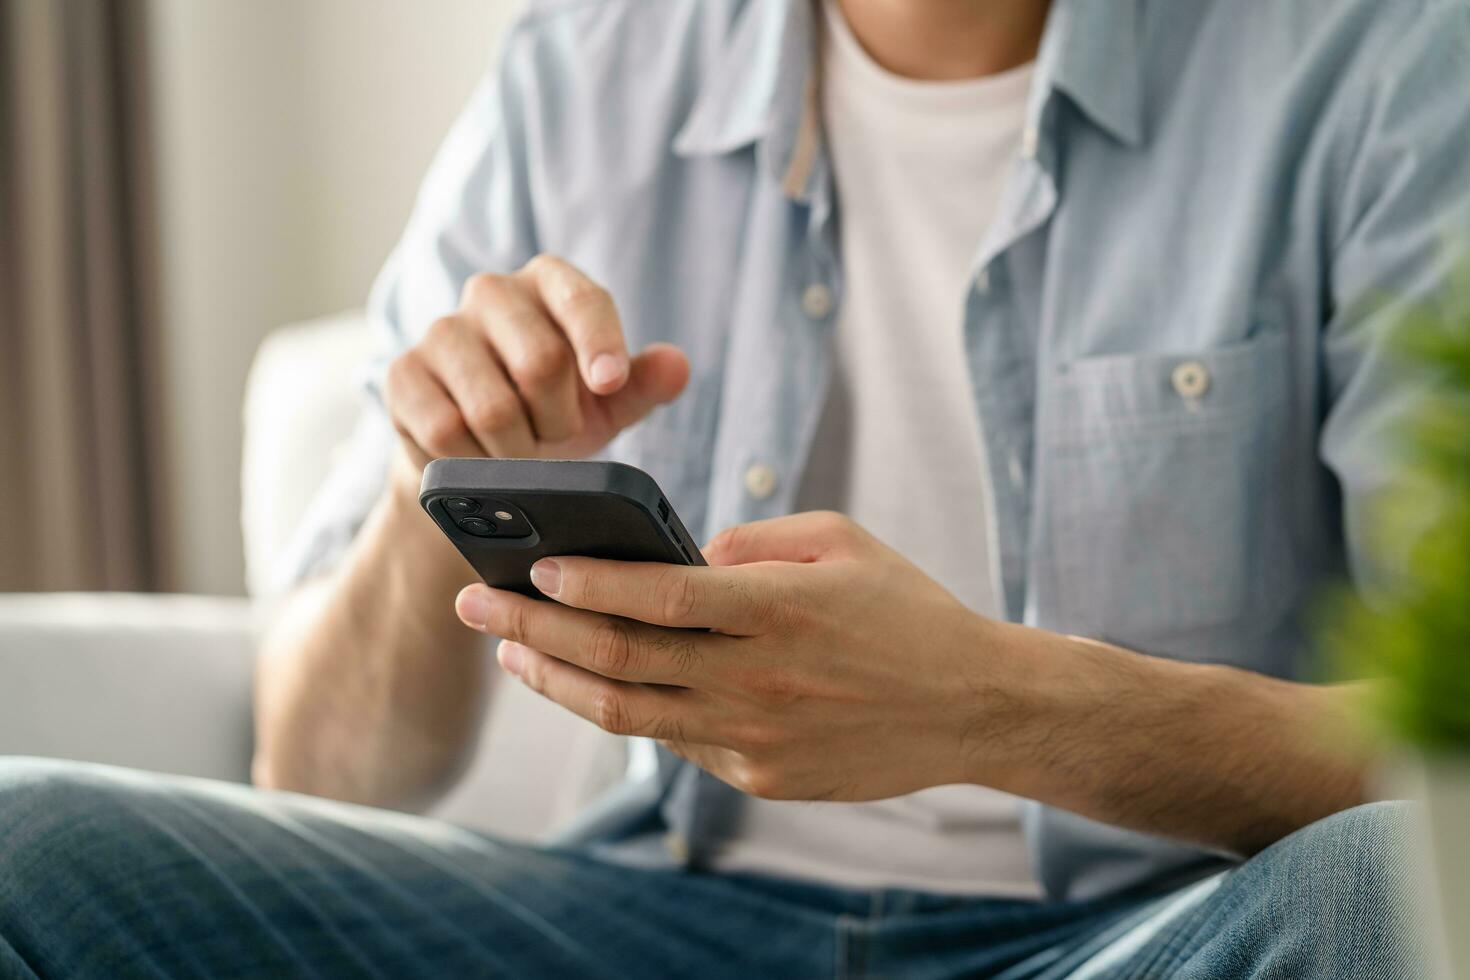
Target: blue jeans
(111, 873)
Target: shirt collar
(1091, 52)
(762, 88)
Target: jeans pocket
(1162, 512)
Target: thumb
(656, 376)
(806, 537)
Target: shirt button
(677, 845)
(816, 301)
(760, 481)
(1030, 141)
(982, 280)
(1017, 473)
(1190, 379)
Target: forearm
(1217, 756)
(369, 689)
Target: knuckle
(533, 675)
(776, 610)
(484, 289)
(667, 729)
(610, 712)
(540, 364)
(494, 414)
(440, 330)
(678, 594)
(582, 293)
(444, 432)
(784, 612)
(613, 649)
(681, 651)
(400, 374)
(580, 587)
(543, 262)
(773, 687)
(514, 622)
(755, 738)
(762, 781)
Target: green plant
(1414, 630)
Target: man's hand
(368, 688)
(532, 365)
(811, 662)
(835, 669)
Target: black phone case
(574, 507)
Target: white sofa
(164, 682)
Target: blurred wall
(291, 136)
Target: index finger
(731, 600)
(586, 314)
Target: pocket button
(1191, 379)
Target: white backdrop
(291, 136)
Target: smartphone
(506, 514)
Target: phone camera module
(477, 526)
(461, 505)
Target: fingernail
(510, 656)
(608, 369)
(474, 607)
(546, 576)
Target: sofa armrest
(292, 443)
(152, 682)
(164, 683)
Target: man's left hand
(808, 661)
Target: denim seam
(1175, 950)
(843, 953)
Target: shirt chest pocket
(1161, 513)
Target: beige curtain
(78, 507)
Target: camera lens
(461, 505)
(477, 526)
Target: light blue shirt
(1174, 335)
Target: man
(1075, 312)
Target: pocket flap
(1096, 396)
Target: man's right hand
(368, 689)
(532, 365)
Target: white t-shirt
(919, 168)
